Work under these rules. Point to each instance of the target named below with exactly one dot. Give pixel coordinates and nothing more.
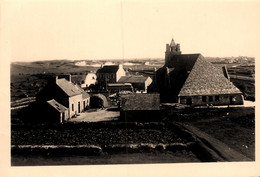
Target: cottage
(139, 83)
(190, 79)
(109, 74)
(61, 93)
(140, 107)
(85, 80)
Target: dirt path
(96, 116)
(216, 148)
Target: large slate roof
(108, 69)
(190, 75)
(59, 107)
(69, 88)
(132, 79)
(206, 79)
(140, 102)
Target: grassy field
(233, 126)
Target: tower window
(217, 98)
(210, 98)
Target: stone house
(190, 79)
(139, 107)
(139, 83)
(109, 74)
(61, 93)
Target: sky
(76, 30)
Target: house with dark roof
(190, 79)
(109, 74)
(65, 97)
(140, 83)
(139, 107)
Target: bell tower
(171, 49)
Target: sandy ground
(246, 104)
(96, 116)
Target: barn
(139, 107)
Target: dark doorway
(79, 107)
(84, 105)
(96, 102)
(189, 101)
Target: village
(175, 98)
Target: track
(214, 148)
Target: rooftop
(133, 79)
(59, 107)
(140, 102)
(69, 88)
(108, 69)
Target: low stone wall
(96, 150)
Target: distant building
(85, 80)
(139, 83)
(190, 79)
(65, 97)
(109, 74)
(118, 87)
(140, 107)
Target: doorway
(189, 101)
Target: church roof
(190, 75)
(206, 79)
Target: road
(217, 149)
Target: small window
(216, 98)
(210, 98)
(72, 107)
(204, 98)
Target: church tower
(171, 49)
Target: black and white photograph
(124, 83)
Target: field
(233, 126)
(95, 134)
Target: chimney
(120, 66)
(69, 77)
